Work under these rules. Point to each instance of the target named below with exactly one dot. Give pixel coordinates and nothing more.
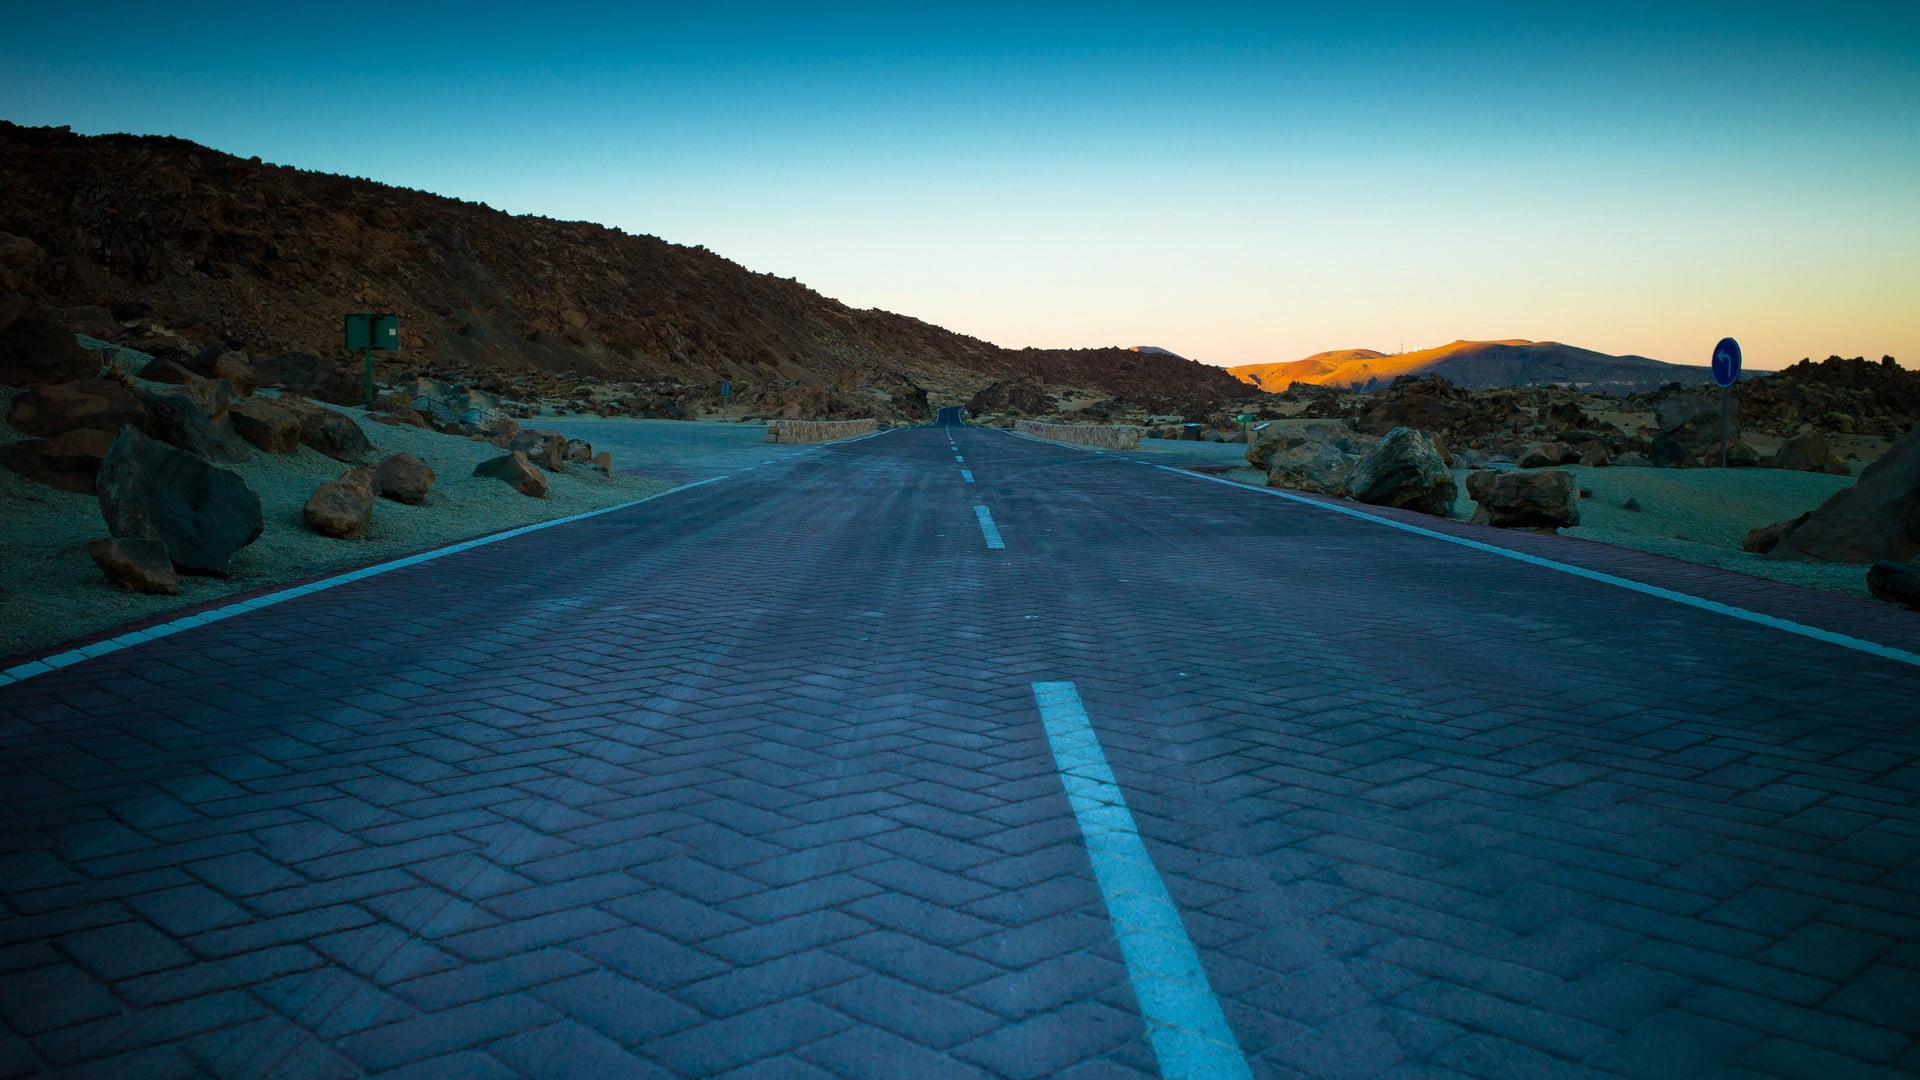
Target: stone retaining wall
(1109, 436)
(804, 431)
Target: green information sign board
(368, 331)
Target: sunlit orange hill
(1476, 364)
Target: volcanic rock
(68, 461)
(135, 563)
(266, 425)
(175, 417)
(1404, 470)
(340, 382)
(1808, 451)
(1524, 499)
(101, 404)
(1668, 452)
(342, 508)
(1767, 537)
(604, 462)
(20, 260)
(1693, 422)
(92, 320)
(450, 403)
(1425, 403)
(168, 371)
(547, 449)
(34, 351)
(1742, 456)
(203, 514)
(1877, 518)
(332, 433)
(1544, 456)
(403, 478)
(1594, 454)
(1311, 466)
(1895, 582)
(515, 469)
(1015, 396)
(579, 450)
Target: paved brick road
(750, 780)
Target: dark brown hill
(269, 258)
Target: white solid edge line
(1885, 652)
(987, 528)
(22, 672)
(1189, 1032)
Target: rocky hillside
(266, 259)
(1477, 364)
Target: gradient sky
(1238, 184)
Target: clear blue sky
(1240, 184)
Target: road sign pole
(1727, 394)
(366, 356)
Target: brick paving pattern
(749, 781)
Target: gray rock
(202, 513)
(1545, 499)
(1405, 470)
(1895, 582)
(178, 418)
(138, 564)
(342, 508)
(1877, 518)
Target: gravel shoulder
(50, 590)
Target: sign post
(1245, 419)
(368, 331)
(1726, 371)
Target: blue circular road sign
(1726, 362)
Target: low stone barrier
(801, 431)
(1109, 436)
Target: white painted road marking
(1188, 1031)
(21, 672)
(967, 475)
(1872, 648)
(957, 457)
(988, 528)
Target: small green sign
(373, 330)
(1245, 418)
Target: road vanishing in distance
(948, 752)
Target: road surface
(797, 773)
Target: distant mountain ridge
(1476, 365)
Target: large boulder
(34, 351)
(202, 513)
(1525, 500)
(516, 470)
(1669, 452)
(100, 404)
(1406, 470)
(332, 433)
(135, 563)
(579, 450)
(20, 261)
(1877, 518)
(343, 507)
(547, 449)
(266, 424)
(403, 478)
(1692, 423)
(1765, 538)
(69, 461)
(1895, 582)
(179, 418)
(1319, 467)
(1808, 451)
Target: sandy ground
(50, 590)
